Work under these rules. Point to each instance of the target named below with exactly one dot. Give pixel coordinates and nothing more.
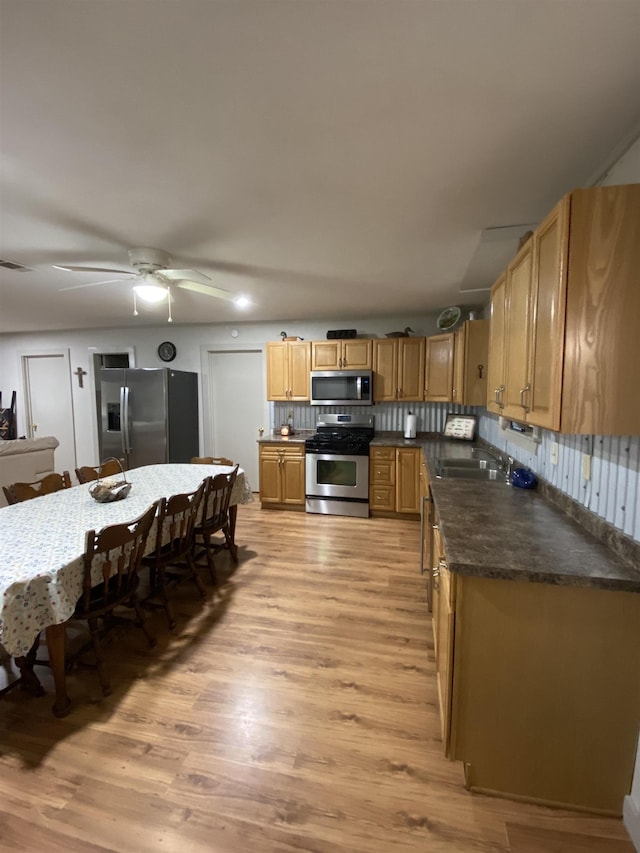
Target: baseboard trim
(631, 819)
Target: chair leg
(94, 630)
(231, 545)
(196, 576)
(141, 621)
(162, 592)
(210, 563)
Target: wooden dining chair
(111, 562)
(87, 473)
(18, 492)
(215, 519)
(177, 517)
(210, 460)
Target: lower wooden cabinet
(394, 480)
(537, 704)
(282, 475)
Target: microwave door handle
(358, 387)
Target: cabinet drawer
(383, 498)
(381, 454)
(382, 472)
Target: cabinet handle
(523, 391)
(453, 393)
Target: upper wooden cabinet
(347, 354)
(438, 383)
(571, 307)
(497, 335)
(456, 365)
(288, 364)
(470, 363)
(398, 365)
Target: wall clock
(167, 351)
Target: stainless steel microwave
(341, 387)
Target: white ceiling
(328, 158)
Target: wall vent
(11, 265)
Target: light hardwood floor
(294, 710)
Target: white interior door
(236, 397)
(49, 405)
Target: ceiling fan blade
(90, 269)
(207, 290)
(184, 275)
(96, 283)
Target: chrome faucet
(505, 462)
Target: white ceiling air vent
(11, 265)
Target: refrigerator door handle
(124, 408)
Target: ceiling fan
(153, 278)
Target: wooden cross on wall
(80, 373)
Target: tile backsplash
(613, 490)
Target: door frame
(206, 395)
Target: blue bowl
(523, 478)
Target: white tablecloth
(42, 542)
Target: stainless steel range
(337, 465)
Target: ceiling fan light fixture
(151, 293)
(242, 301)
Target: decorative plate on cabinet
(449, 318)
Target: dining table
(42, 542)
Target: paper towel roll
(410, 426)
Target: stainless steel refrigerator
(148, 415)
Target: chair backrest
(18, 492)
(177, 517)
(89, 472)
(210, 460)
(111, 561)
(215, 505)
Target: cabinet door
(411, 359)
(444, 659)
(408, 479)
(277, 370)
(293, 474)
(517, 338)
(326, 355)
(497, 333)
(548, 297)
(439, 368)
(357, 354)
(472, 387)
(385, 367)
(270, 479)
(299, 366)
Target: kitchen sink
(455, 462)
(469, 469)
